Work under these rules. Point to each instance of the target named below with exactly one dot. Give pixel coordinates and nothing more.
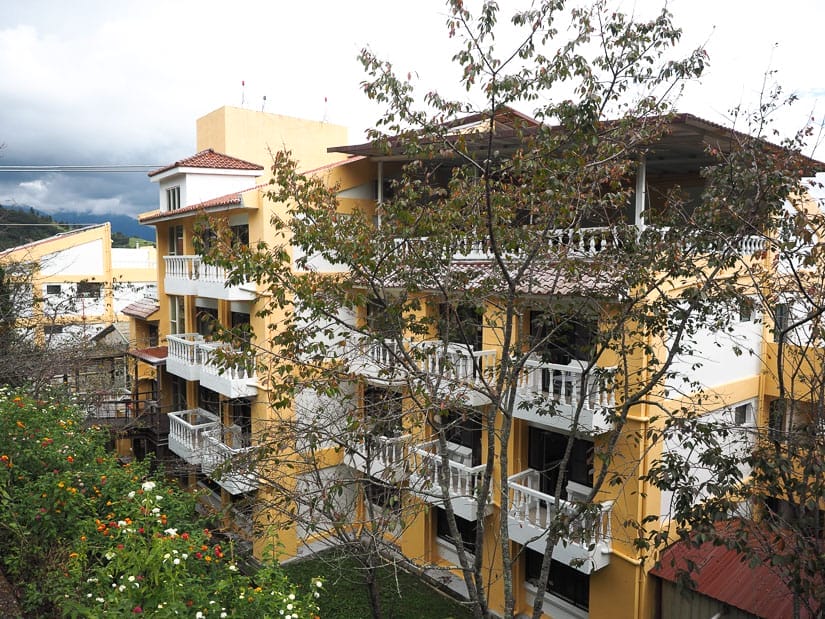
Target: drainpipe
(641, 195)
(380, 193)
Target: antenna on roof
(263, 103)
(243, 93)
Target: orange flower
(20, 424)
(69, 459)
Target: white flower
(316, 594)
(289, 606)
(158, 497)
(199, 615)
(148, 486)
(121, 523)
(224, 615)
(156, 510)
(176, 561)
(101, 600)
(166, 556)
(122, 588)
(88, 595)
(171, 532)
(233, 567)
(131, 579)
(291, 597)
(319, 584)
(109, 555)
(131, 495)
(185, 555)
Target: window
(209, 400)
(746, 310)
(89, 290)
(463, 428)
(53, 288)
(383, 495)
(740, 414)
(153, 335)
(173, 198)
(461, 324)
(53, 329)
(240, 234)
(561, 338)
(177, 315)
(175, 241)
(207, 318)
(466, 529)
(545, 453)
(382, 411)
(565, 582)
(776, 420)
(178, 393)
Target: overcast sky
(117, 82)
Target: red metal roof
(154, 356)
(210, 159)
(721, 574)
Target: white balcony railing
(228, 460)
(190, 275)
(532, 513)
(462, 478)
(382, 457)
(550, 394)
(184, 355)
(216, 365)
(186, 430)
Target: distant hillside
(124, 224)
(19, 226)
(120, 223)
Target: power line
(78, 168)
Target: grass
(403, 595)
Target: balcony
(186, 432)
(228, 459)
(234, 377)
(183, 355)
(376, 360)
(462, 478)
(568, 388)
(532, 513)
(190, 275)
(382, 457)
(582, 242)
(215, 364)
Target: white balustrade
(533, 513)
(186, 430)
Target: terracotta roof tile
(210, 159)
(141, 309)
(230, 199)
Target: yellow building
(80, 288)
(215, 408)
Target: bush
(84, 536)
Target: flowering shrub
(85, 536)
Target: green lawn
(404, 596)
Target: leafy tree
(491, 223)
(84, 535)
(774, 489)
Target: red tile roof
(721, 574)
(230, 199)
(210, 159)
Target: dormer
(201, 177)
